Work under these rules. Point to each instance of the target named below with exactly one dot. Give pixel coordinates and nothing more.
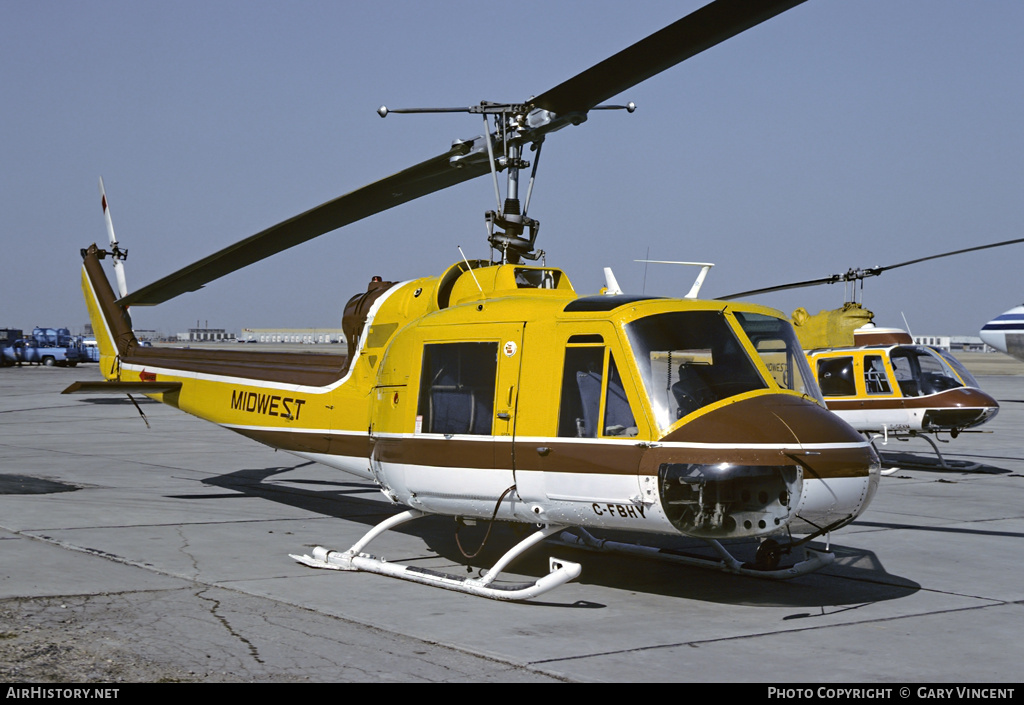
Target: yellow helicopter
(877, 379)
(495, 392)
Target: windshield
(958, 367)
(777, 344)
(920, 371)
(689, 359)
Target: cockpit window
(966, 377)
(920, 371)
(689, 359)
(781, 353)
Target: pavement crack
(215, 605)
(184, 549)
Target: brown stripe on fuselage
(444, 452)
(961, 397)
(818, 463)
(611, 458)
(566, 455)
(352, 446)
(771, 419)
(561, 455)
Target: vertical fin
(111, 323)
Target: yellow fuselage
(498, 390)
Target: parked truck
(88, 350)
(7, 338)
(46, 346)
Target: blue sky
(837, 135)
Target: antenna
(643, 289)
(470, 268)
(905, 323)
(611, 284)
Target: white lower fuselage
(623, 501)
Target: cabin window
(583, 380)
(689, 359)
(618, 417)
(875, 379)
(537, 278)
(457, 388)
(905, 374)
(835, 377)
(581, 392)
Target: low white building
(206, 335)
(309, 336)
(968, 343)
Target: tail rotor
(116, 253)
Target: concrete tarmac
(137, 553)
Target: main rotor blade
(691, 35)
(855, 274)
(781, 287)
(949, 254)
(426, 177)
(700, 30)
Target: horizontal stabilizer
(122, 387)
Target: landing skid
(354, 559)
(920, 464)
(814, 559)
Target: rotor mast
(504, 152)
(510, 216)
(515, 125)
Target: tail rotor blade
(118, 255)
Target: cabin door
(506, 402)
(461, 448)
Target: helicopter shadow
(855, 578)
(912, 461)
(114, 401)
